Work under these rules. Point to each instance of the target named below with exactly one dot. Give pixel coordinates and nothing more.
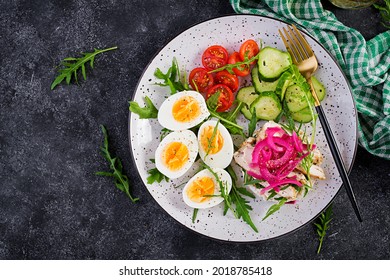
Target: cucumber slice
(272, 63)
(319, 88)
(302, 116)
(261, 86)
(295, 98)
(283, 82)
(247, 95)
(267, 106)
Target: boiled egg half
(215, 144)
(183, 110)
(176, 153)
(198, 192)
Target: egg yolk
(175, 155)
(185, 109)
(199, 188)
(212, 144)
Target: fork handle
(337, 158)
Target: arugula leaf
(323, 225)
(232, 118)
(164, 132)
(229, 120)
(210, 141)
(121, 180)
(71, 65)
(212, 101)
(274, 208)
(245, 192)
(384, 12)
(242, 206)
(252, 123)
(240, 65)
(147, 112)
(224, 194)
(194, 214)
(156, 176)
(171, 78)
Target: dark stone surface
(52, 206)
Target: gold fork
(303, 56)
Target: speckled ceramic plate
(187, 47)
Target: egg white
(222, 158)
(223, 176)
(166, 119)
(186, 137)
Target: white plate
(231, 31)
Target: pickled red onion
(276, 157)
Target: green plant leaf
(274, 208)
(71, 66)
(172, 78)
(322, 225)
(156, 176)
(147, 112)
(121, 181)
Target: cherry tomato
(200, 79)
(225, 99)
(214, 57)
(224, 77)
(241, 70)
(249, 49)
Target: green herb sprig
(252, 123)
(210, 141)
(121, 180)
(239, 65)
(276, 207)
(229, 120)
(323, 225)
(155, 175)
(72, 65)
(148, 112)
(172, 78)
(385, 13)
(194, 215)
(242, 205)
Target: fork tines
(296, 44)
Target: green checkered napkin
(366, 64)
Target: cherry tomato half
(224, 77)
(214, 57)
(225, 99)
(248, 49)
(241, 70)
(200, 79)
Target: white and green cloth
(366, 64)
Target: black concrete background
(52, 206)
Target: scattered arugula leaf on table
(323, 225)
(148, 112)
(71, 66)
(385, 13)
(121, 180)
